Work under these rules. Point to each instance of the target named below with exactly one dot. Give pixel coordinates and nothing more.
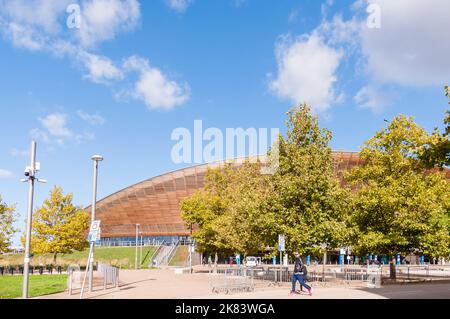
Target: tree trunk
(392, 270)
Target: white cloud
(102, 19)
(36, 24)
(40, 25)
(411, 47)
(374, 98)
(55, 131)
(307, 71)
(153, 87)
(92, 119)
(293, 15)
(324, 7)
(56, 125)
(179, 5)
(19, 153)
(5, 174)
(100, 68)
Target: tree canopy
(7, 230)
(399, 206)
(436, 152)
(310, 206)
(242, 210)
(396, 201)
(58, 225)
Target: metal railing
(165, 253)
(109, 276)
(129, 243)
(170, 254)
(425, 273)
(370, 276)
(231, 280)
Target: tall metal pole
(140, 254)
(26, 261)
(96, 159)
(137, 236)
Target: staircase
(164, 255)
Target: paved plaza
(165, 284)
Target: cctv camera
(27, 171)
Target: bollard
(70, 281)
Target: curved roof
(155, 203)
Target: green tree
(247, 223)
(58, 225)
(229, 213)
(436, 152)
(399, 206)
(7, 230)
(310, 206)
(201, 210)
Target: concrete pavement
(165, 284)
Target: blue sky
(135, 71)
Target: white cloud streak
(55, 130)
(153, 87)
(92, 119)
(36, 26)
(5, 174)
(179, 5)
(306, 71)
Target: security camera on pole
(95, 159)
(30, 173)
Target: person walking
(209, 261)
(298, 275)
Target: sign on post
(281, 242)
(94, 232)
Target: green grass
(11, 286)
(123, 257)
(180, 257)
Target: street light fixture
(30, 173)
(96, 159)
(141, 244)
(137, 238)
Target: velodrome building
(154, 203)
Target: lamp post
(137, 239)
(141, 245)
(95, 159)
(30, 173)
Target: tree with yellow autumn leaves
(58, 225)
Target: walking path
(165, 284)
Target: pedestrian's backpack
(304, 270)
